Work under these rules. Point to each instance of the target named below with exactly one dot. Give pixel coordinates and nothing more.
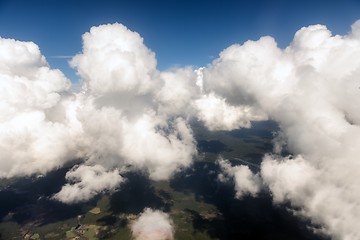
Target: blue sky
(179, 32)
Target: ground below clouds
(199, 205)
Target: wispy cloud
(62, 56)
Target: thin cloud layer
(311, 89)
(153, 225)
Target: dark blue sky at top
(179, 32)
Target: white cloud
(217, 114)
(288, 177)
(36, 130)
(115, 59)
(153, 225)
(121, 116)
(125, 113)
(246, 183)
(178, 91)
(86, 182)
(325, 196)
(311, 89)
(160, 152)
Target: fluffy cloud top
(87, 181)
(115, 59)
(124, 114)
(311, 89)
(153, 225)
(120, 117)
(35, 112)
(246, 183)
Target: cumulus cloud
(311, 89)
(121, 116)
(246, 183)
(217, 114)
(288, 177)
(153, 225)
(179, 90)
(115, 59)
(124, 111)
(36, 119)
(87, 181)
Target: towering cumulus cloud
(122, 107)
(153, 225)
(120, 119)
(120, 111)
(312, 90)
